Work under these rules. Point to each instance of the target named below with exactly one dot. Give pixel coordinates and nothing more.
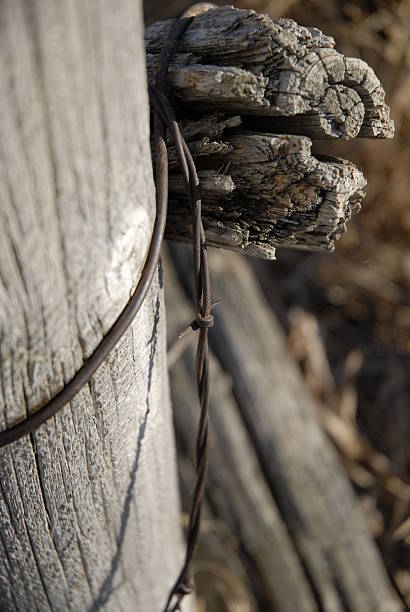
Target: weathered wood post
(89, 515)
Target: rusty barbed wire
(165, 117)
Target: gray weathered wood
(261, 191)
(259, 75)
(289, 74)
(314, 498)
(89, 515)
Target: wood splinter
(253, 91)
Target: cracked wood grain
(251, 93)
(273, 192)
(290, 75)
(81, 499)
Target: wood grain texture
(88, 503)
(289, 74)
(261, 191)
(251, 92)
(314, 498)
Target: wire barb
(199, 322)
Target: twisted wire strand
(164, 117)
(203, 322)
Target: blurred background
(345, 316)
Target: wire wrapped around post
(164, 118)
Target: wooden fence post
(89, 515)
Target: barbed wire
(165, 118)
